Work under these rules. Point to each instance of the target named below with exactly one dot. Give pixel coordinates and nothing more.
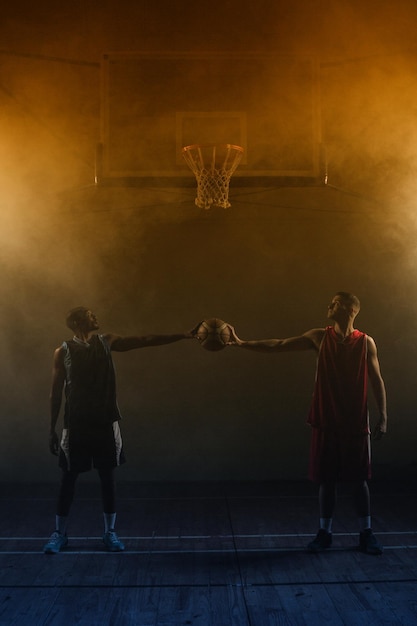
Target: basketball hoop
(213, 166)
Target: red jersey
(339, 402)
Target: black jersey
(90, 384)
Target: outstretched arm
(55, 397)
(310, 340)
(378, 388)
(123, 344)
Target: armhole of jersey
(104, 343)
(67, 359)
(322, 340)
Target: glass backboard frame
(150, 102)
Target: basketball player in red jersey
(340, 442)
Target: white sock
(364, 523)
(61, 524)
(326, 524)
(109, 521)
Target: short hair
(74, 316)
(350, 298)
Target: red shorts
(335, 457)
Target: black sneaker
(368, 543)
(322, 541)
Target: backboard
(155, 104)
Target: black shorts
(83, 449)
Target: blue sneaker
(112, 542)
(57, 541)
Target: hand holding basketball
(213, 334)
(234, 340)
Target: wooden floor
(206, 554)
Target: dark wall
(147, 260)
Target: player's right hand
(53, 443)
(234, 339)
(379, 431)
(193, 333)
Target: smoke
(146, 259)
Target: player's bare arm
(118, 343)
(55, 398)
(378, 388)
(309, 340)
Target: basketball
(213, 334)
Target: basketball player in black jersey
(83, 369)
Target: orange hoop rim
(213, 145)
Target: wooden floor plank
(117, 607)
(402, 600)
(300, 604)
(202, 607)
(219, 554)
(277, 568)
(27, 607)
(215, 569)
(33, 569)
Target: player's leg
(323, 470)
(108, 497)
(362, 501)
(108, 494)
(65, 497)
(108, 454)
(58, 539)
(367, 540)
(327, 503)
(357, 462)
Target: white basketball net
(213, 166)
